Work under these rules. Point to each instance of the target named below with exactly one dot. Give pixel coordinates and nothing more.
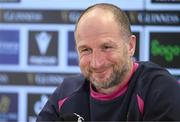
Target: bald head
(107, 11)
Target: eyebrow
(110, 43)
(82, 46)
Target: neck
(114, 88)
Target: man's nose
(97, 60)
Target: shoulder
(70, 85)
(148, 67)
(154, 80)
(160, 92)
(152, 71)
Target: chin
(102, 79)
(100, 83)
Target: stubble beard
(115, 78)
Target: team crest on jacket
(80, 119)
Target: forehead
(96, 22)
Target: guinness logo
(133, 17)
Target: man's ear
(132, 45)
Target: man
(112, 87)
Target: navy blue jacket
(152, 94)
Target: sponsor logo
(165, 1)
(73, 16)
(8, 107)
(9, 47)
(72, 53)
(45, 79)
(4, 104)
(133, 17)
(158, 18)
(3, 78)
(40, 104)
(40, 16)
(8, 1)
(165, 18)
(136, 54)
(70, 16)
(43, 39)
(35, 104)
(154, 17)
(29, 78)
(165, 49)
(43, 48)
(22, 16)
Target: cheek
(114, 58)
(84, 62)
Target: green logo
(167, 51)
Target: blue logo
(72, 54)
(9, 46)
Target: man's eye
(107, 47)
(85, 51)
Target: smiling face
(104, 52)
